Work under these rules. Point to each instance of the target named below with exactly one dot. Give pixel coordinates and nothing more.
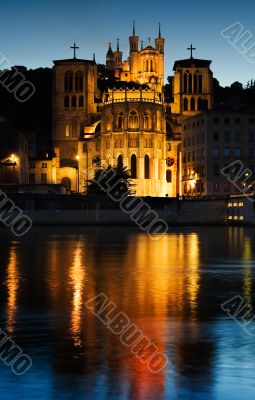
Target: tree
(118, 178)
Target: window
(251, 121)
(194, 156)
(216, 136)
(185, 104)
(216, 170)
(133, 166)
(67, 130)
(68, 81)
(192, 104)
(226, 121)
(168, 145)
(121, 120)
(198, 138)
(169, 176)
(120, 161)
(226, 136)
(185, 79)
(251, 137)
(81, 102)
(226, 152)
(107, 144)
(145, 121)
(237, 121)
(216, 152)
(237, 137)
(148, 143)
(74, 128)
(133, 120)
(78, 81)
(146, 167)
(44, 178)
(188, 156)
(216, 120)
(66, 102)
(73, 102)
(237, 153)
(44, 165)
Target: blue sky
(33, 33)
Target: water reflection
(12, 282)
(171, 289)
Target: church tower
(118, 55)
(110, 58)
(192, 86)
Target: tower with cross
(74, 47)
(191, 49)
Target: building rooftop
(189, 62)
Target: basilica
(119, 114)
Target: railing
(133, 100)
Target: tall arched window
(120, 161)
(192, 104)
(68, 81)
(82, 129)
(73, 101)
(133, 120)
(66, 102)
(151, 65)
(145, 120)
(185, 83)
(81, 102)
(147, 65)
(146, 167)
(133, 166)
(74, 128)
(78, 81)
(195, 83)
(185, 104)
(169, 176)
(190, 83)
(67, 130)
(200, 83)
(121, 120)
(199, 104)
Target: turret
(133, 41)
(110, 58)
(160, 42)
(118, 55)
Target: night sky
(34, 32)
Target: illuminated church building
(127, 122)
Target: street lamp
(78, 171)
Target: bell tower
(133, 41)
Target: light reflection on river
(171, 289)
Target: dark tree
(111, 178)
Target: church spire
(133, 28)
(118, 44)
(159, 30)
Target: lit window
(240, 204)
(235, 205)
(235, 217)
(230, 205)
(241, 218)
(230, 217)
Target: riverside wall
(64, 210)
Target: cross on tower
(191, 48)
(74, 47)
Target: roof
(149, 47)
(191, 62)
(78, 60)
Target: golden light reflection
(247, 282)
(77, 277)
(13, 280)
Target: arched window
(133, 166)
(81, 102)
(121, 120)
(66, 182)
(169, 176)
(185, 83)
(190, 83)
(68, 81)
(146, 167)
(185, 104)
(145, 120)
(67, 130)
(78, 81)
(66, 102)
(133, 120)
(147, 65)
(200, 104)
(200, 84)
(195, 83)
(120, 161)
(73, 101)
(74, 128)
(192, 104)
(151, 65)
